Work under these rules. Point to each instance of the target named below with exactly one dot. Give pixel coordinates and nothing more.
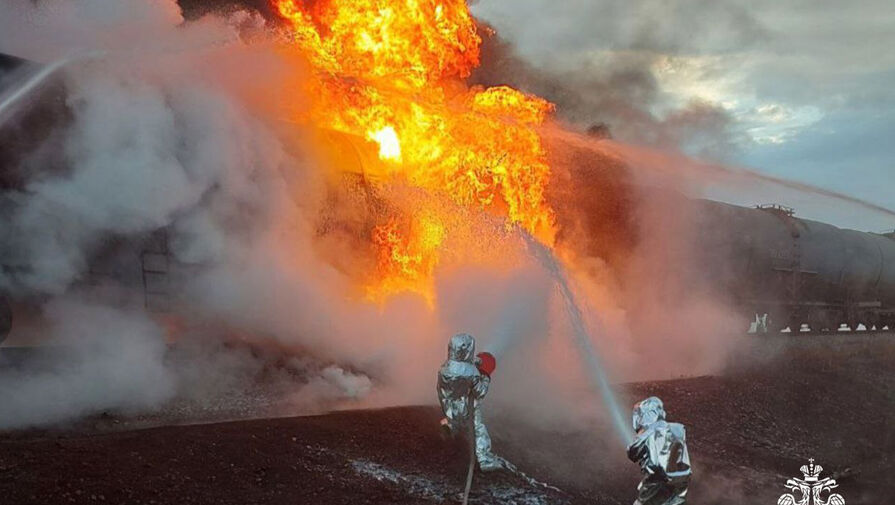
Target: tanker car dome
(5, 318)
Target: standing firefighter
(463, 382)
(660, 448)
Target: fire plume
(391, 72)
(407, 260)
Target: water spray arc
(592, 361)
(17, 94)
(512, 319)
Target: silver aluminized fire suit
(660, 448)
(459, 380)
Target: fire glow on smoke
(392, 72)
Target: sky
(806, 87)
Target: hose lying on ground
(471, 435)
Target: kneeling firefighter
(660, 448)
(463, 382)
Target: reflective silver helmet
(648, 412)
(461, 347)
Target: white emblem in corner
(811, 486)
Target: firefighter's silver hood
(461, 347)
(660, 448)
(647, 412)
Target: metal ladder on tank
(155, 264)
(794, 282)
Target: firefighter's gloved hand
(485, 363)
(480, 387)
(446, 430)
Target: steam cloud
(158, 137)
(112, 358)
(177, 126)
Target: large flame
(391, 71)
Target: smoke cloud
(156, 134)
(178, 126)
(615, 94)
(111, 358)
(169, 125)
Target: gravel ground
(830, 398)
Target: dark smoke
(619, 94)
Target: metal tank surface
(798, 271)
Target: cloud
(618, 89)
(787, 77)
(559, 33)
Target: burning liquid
(391, 72)
(592, 360)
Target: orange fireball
(391, 72)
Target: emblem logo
(811, 486)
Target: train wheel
(777, 322)
(815, 323)
(750, 323)
(775, 327)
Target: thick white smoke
(178, 126)
(158, 135)
(103, 358)
(167, 130)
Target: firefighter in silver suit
(463, 381)
(660, 448)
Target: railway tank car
(765, 260)
(798, 271)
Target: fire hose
(470, 405)
(486, 365)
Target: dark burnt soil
(383, 456)
(749, 430)
(784, 400)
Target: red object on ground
(487, 363)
